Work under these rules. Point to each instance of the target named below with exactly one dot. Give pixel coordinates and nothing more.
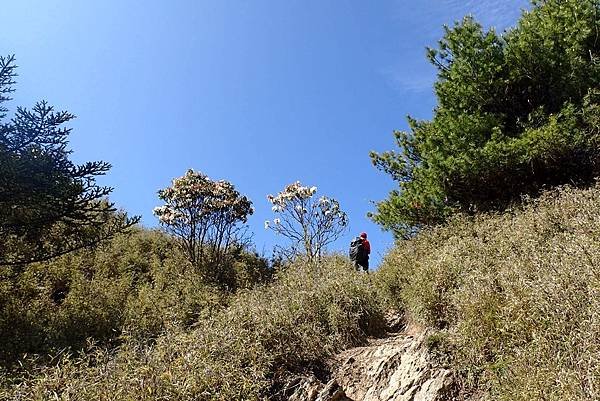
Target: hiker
(360, 249)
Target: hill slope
(514, 295)
(508, 302)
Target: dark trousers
(362, 264)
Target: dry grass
(517, 295)
(136, 283)
(307, 314)
(514, 296)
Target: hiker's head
(363, 235)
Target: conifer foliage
(49, 205)
(516, 112)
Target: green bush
(50, 307)
(517, 295)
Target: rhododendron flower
(200, 211)
(310, 224)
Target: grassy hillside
(138, 284)
(516, 296)
(241, 350)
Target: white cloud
(422, 23)
(411, 82)
(500, 14)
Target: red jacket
(367, 246)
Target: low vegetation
(136, 284)
(515, 296)
(241, 352)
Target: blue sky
(260, 93)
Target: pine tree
(49, 205)
(516, 113)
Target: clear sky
(260, 93)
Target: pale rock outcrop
(311, 389)
(396, 368)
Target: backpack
(357, 249)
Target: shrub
(206, 217)
(308, 224)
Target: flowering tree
(310, 224)
(206, 216)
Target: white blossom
(310, 223)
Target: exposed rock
(396, 368)
(311, 389)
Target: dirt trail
(395, 368)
